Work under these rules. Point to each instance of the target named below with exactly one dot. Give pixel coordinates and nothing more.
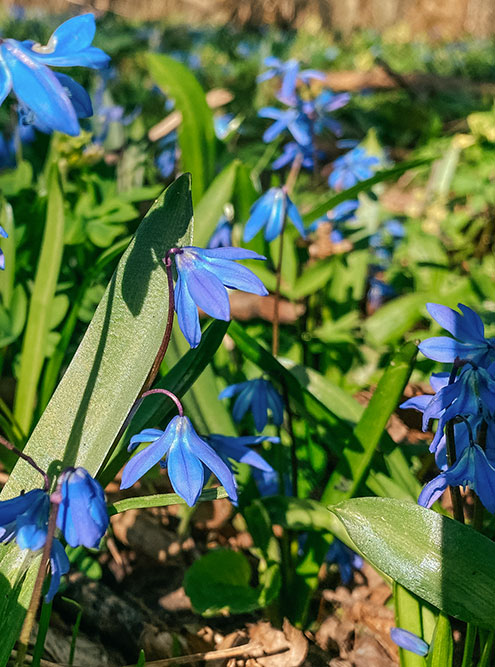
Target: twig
(8, 445)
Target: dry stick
(27, 626)
(28, 459)
(289, 185)
(251, 650)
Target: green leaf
(408, 616)
(390, 322)
(196, 132)
(41, 303)
(13, 181)
(351, 193)
(105, 376)
(161, 500)
(211, 205)
(219, 581)
(444, 562)
(313, 279)
(441, 652)
(354, 462)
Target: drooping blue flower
(351, 168)
(269, 211)
(54, 99)
(25, 517)
(409, 641)
(259, 396)
(184, 454)
(467, 328)
(293, 120)
(292, 150)
(319, 109)
(222, 236)
(202, 278)
(291, 74)
(238, 449)
(471, 469)
(59, 565)
(82, 514)
(346, 559)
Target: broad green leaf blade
(441, 652)
(351, 193)
(196, 132)
(427, 553)
(41, 304)
(210, 208)
(117, 351)
(107, 372)
(354, 462)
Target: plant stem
(38, 586)
(467, 657)
(487, 651)
(8, 445)
(455, 492)
(293, 448)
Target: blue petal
(59, 564)
(212, 461)
(187, 313)
(10, 509)
(419, 403)
(82, 515)
(238, 277)
(208, 293)
(229, 253)
(32, 525)
(274, 130)
(5, 80)
(38, 88)
(233, 389)
(77, 95)
(260, 212)
(288, 88)
(439, 381)
(300, 131)
(294, 215)
(148, 435)
(409, 641)
(147, 458)
(271, 112)
(276, 218)
(442, 348)
(185, 471)
(474, 321)
(243, 401)
(276, 404)
(459, 326)
(259, 406)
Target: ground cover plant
(233, 279)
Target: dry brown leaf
(290, 646)
(245, 306)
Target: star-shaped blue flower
(82, 514)
(293, 120)
(467, 328)
(259, 396)
(203, 276)
(291, 74)
(269, 211)
(351, 168)
(184, 454)
(54, 99)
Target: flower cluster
(82, 518)
(464, 399)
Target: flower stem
(168, 393)
(455, 492)
(467, 658)
(8, 445)
(38, 586)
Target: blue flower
(467, 328)
(292, 150)
(259, 396)
(238, 449)
(343, 212)
(222, 236)
(185, 454)
(82, 514)
(472, 469)
(318, 111)
(25, 517)
(268, 482)
(349, 169)
(54, 99)
(203, 276)
(269, 211)
(378, 293)
(409, 641)
(223, 125)
(291, 73)
(346, 559)
(293, 120)
(59, 565)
